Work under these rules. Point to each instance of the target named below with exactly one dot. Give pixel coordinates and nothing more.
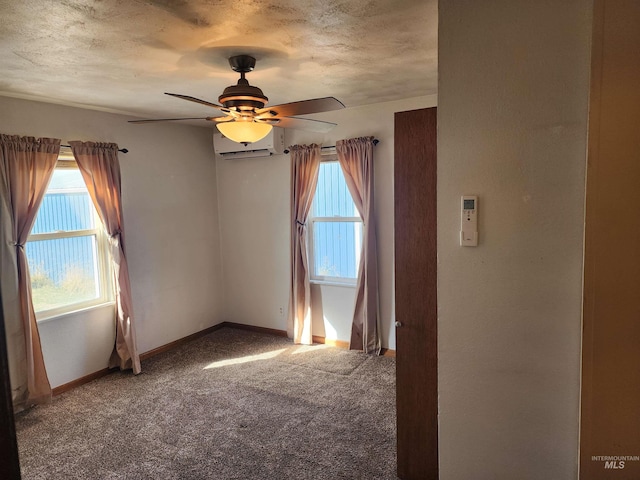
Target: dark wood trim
(253, 328)
(415, 226)
(9, 461)
(81, 381)
(180, 341)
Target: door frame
(415, 231)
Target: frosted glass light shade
(244, 132)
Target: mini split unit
(272, 144)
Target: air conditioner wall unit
(272, 144)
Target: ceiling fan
(246, 118)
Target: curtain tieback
(300, 223)
(19, 245)
(114, 239)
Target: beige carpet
(231, 405)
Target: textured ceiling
(121, 55)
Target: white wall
(512, 123)
(171, 226)
(254, 215)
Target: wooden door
(415, 294)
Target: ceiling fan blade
(299, 124)
(215, 119)
(197, 100)
(303, 107)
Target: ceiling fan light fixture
(244, 132)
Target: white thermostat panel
(469, 221)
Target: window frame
(311, 226)
(104, 275)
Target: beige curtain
(356, 160)
(98, 163)
(305, 165)
(26, 167)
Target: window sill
(79, 311)
(329, 283)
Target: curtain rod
(375, 142)
(123, 150)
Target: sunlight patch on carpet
(248, 358)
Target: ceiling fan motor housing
(243, 95)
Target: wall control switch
(469, 221)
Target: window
(335, 229)
(67, 248)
